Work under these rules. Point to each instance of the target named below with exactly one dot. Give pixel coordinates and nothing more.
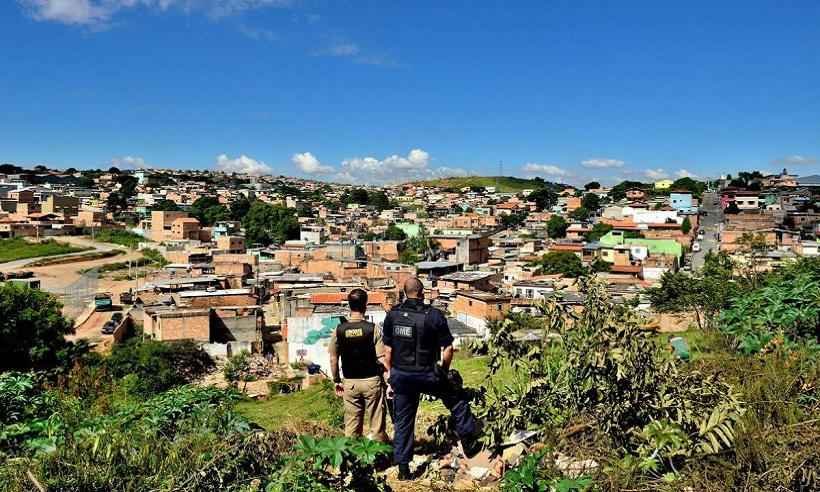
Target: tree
(113, 170)
(165, 206)
(394, 233)
(618, 192)
(689, 184)
(686, 225)
(592, 185)
(557, 227)
(513, 220)
(600, 265)
(32, 328)
(266, 224)
(563, 262)
(379, 200)
(755, 247)
(580, 213)
(544, 198)
(357, 195)
(116, 201)
(215, 214)
(70, 170)
(598, 231)
(208, 210)
(239, 208)
(591, 202)
(705, 295)
(238, 368)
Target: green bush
(153, 367)
(785, 310)
(119, 236)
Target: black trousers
(407, 387)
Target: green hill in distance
(504, 184)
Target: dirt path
(55, 278)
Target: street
(710, 224)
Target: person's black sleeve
(387, 331)
(445, 338)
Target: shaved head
(413, 288)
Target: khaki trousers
(364, 403)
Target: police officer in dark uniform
(418, 352)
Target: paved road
(710, 224)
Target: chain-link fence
(77, 296)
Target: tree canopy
(563, 262)
(618, 192)
(598, 231)
(591, 202)
(165, 206)
(544, 198)
(557, 227)
(32, 328)
(266, 224)
(394, 233)
(208, 210)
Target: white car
(700, 237)
(696, 247)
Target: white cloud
(393, 169)
(129, 161)
(684, 173)
(309, 164)
(100, 12)
(416, 160)
(600, 163)
(241, 165)
(796, 160)
(546, 169)
(656, 173)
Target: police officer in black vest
(358, 343)
(418, 352)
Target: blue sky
(377, 91)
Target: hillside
(505, 184)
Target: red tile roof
(341, 298)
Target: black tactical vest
(358, 350)
(415, 347)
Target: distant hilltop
(503, 184)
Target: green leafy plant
(532, 476)
(333, 463)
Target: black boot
(404, 472)
(471, 446)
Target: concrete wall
(308, 337)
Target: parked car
(116, 317)
(696, 247)
(108, 327)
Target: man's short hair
(357, 299)
(413, 287)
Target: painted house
(682, 201)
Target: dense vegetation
(121, 237)
(20, 249)
(32, 330)
(267, 224)
(742, 412)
